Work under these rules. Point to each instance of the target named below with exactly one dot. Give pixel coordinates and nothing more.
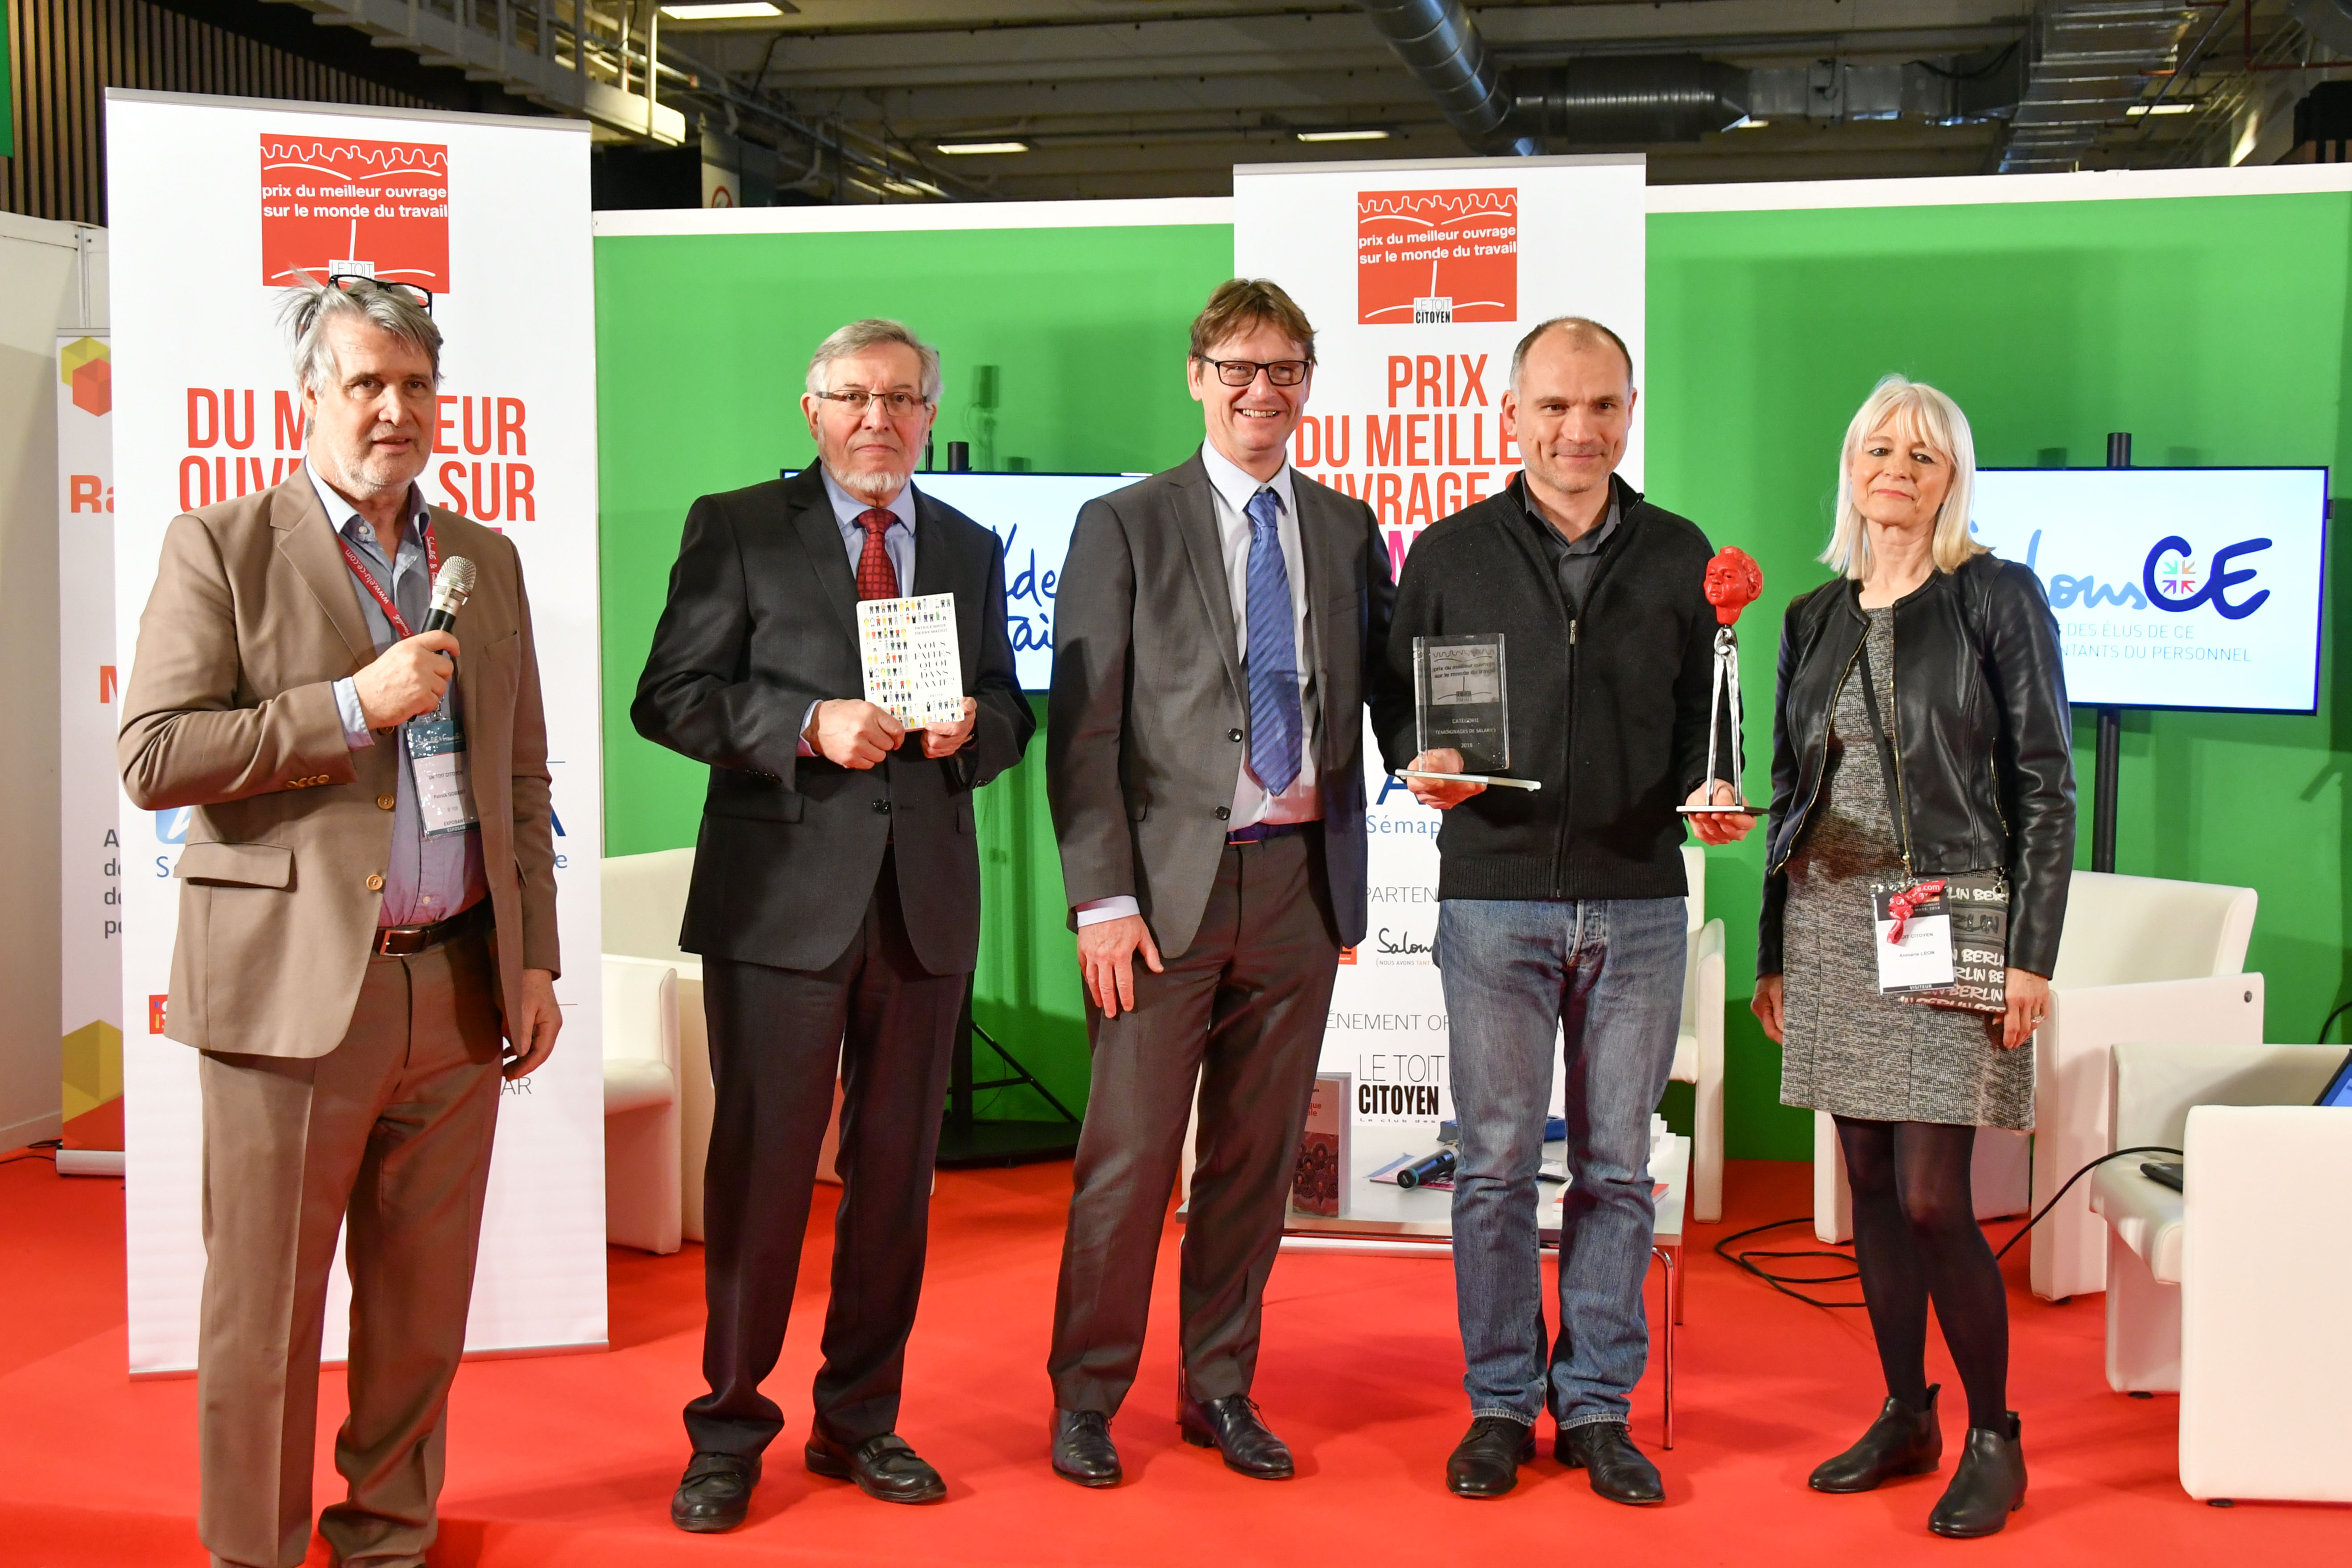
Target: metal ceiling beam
(2091, 60)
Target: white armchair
(2234, 1292)
(2140, 958)
(643, 1169)
(1698, 1046)
(645, 906)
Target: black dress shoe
(1231, 1426)
(1617, 1470)
(1988, 1486)
(884, 1467)
(1901, 1442)
(1083, 1451)
(1487, 1462)
(715, 1492)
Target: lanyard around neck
(383, 600)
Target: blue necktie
(1273, 651)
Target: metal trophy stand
(1733, 582)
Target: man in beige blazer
(361, 920)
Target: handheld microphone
(451, 589)
(1435, 1167)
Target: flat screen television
(2173, 587)
(1033, 513)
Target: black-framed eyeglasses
(1242, 372)
(896, 404)
(414, 293)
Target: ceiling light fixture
(724, 11)
(959, 149)
(2173, 106)
(1342, 135)
(1748, 122)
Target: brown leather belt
(401, 942)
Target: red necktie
(878, 578)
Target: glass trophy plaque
(1461, 699)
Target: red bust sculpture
(1734, 582)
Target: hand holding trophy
(1719, 807)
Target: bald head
(1573, 334)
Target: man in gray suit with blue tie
(1220, 627)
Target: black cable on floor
(2044, 1213)
(45, 1148)
(1786, 1283)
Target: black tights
(1916, 1236)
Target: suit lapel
(308, 540)
(1196, 523)
(934, 573)
(820, 533)
(451, 541)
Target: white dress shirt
(1302, 801)
(898, 543)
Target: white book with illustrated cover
(913, 664)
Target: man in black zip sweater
(1562, 908)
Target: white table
(1383, 1218)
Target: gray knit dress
(1847, 1049)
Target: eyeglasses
(896, 404)
(1242, 372)
(416, 295)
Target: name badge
(1914, 943)
(445, 784)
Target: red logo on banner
(1427, 257)
(341, 204)
(155, 1014)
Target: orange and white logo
(377, 209)
(1424, 256)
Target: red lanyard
(384, 600)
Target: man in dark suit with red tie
(835, 903)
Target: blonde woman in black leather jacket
(1952, 656)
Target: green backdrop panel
(702, 348)
(2214, 330)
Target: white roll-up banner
(1420, 279)
(215, 206)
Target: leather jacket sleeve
(2034, 762)
(1784, 790)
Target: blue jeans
(1610, 970)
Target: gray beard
(874, 489)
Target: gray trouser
(1241, 1013)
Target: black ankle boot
(1901, 1442)
(1988, 1486)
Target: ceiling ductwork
(2089, 63)
(1440, 45)
(1628, 99)
(1638, 100)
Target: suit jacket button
(1224, 813)
(883, 806)
(383, 803)
(1232, 735)
(375, 882)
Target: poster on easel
(490, 213)
(1420, 278)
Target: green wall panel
(2215, 330)
(702, 346)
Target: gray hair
(1582, 330)
(873, 332)
(311, 305)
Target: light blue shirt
(898, 543)
(427, 878)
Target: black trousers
(775, 1035)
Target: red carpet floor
(570, 1459)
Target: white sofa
(644, 1171)
(1699, 1047)
(644, 905)
(2140, 958)
(2234, 1292)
